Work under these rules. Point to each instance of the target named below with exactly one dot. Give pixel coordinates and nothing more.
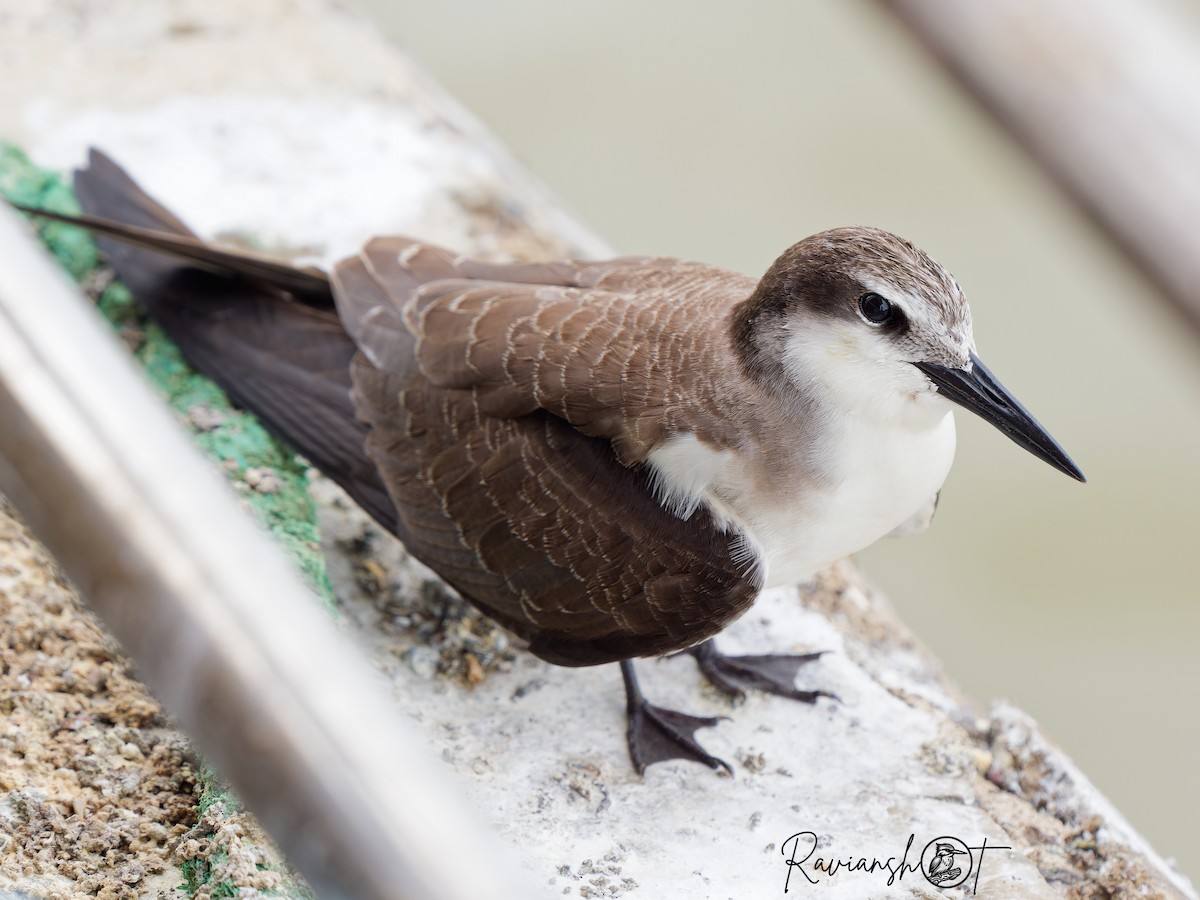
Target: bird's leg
(657, 734)
(774, 673)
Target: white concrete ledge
(296, 125)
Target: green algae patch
(22, 182)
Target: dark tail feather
(125, 212)
(234, 317)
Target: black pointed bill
(980, 392)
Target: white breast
(881, 479)
(873, 477)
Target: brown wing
(493, 419)
(623, 349)
(494, 396)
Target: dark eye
(877, 310)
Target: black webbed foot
(656, 734)
(774, 673)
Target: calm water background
(726, 134)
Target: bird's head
(876, 325)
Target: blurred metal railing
(1105, 95)
(220, 626)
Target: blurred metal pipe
(220, 626)
(1106, 97)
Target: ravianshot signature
(945, 861)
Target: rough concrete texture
(99, 796)
(293, 123)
